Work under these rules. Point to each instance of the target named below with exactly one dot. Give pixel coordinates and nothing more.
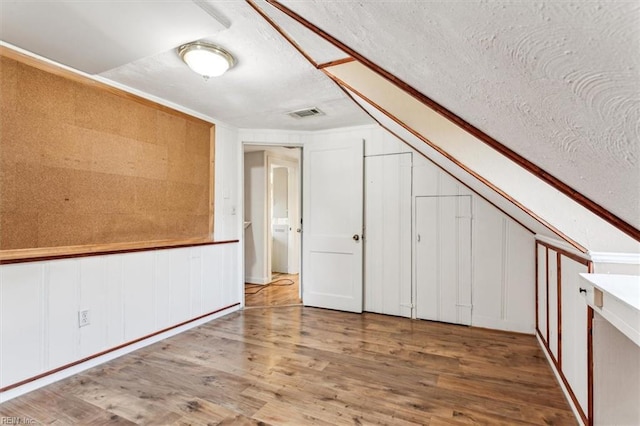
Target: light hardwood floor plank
(297, 365)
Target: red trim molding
(582, 260)
(507, 152)
(336, 62)
(80, 361)
(106, 252)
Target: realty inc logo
(17, 421)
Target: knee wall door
(443, 258)
(387, 272)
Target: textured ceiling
(320, 50)
(557, 82)
(70, 31)
(270, 78)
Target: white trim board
(620, 258)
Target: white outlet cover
(83, 318)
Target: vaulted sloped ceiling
(558, 83)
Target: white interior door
(443, 258)
(332, 224)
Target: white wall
(227, 213)
(128, 296)
(616, 376)
(256, 270)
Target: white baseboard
(75, 369)
(575, 410)
(256, 280)
(498, 324)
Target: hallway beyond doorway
(284, 289)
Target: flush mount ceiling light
(206, 59)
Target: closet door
(387, 276)
(443, 258)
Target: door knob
(356, 237)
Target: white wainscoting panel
(128, 296)
(179, 287)
(574, 330)
(488, 265)
(553, 303)
(504, 271)
(21, 323)
(387, 279)
(616, 375)
(115, 296)
(138, 293)
(519, 287)
(542, 291)
(443, 258)
(63, 304)
(93, 292)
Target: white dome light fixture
(206, 59)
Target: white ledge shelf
(617, 299)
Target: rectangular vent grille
(307, 112)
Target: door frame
(278, 161)
(241, 151)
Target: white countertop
(620, 301)
(625, 288)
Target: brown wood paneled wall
(82, 163)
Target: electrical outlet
(83, 318)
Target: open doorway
(272, 231)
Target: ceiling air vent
(304, 113)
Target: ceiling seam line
(556, 183)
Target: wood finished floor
(283, 290)
(294, 365)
